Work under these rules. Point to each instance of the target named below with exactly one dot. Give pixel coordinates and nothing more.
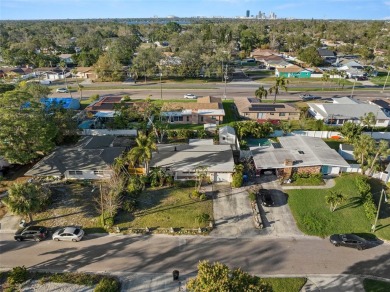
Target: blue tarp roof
(65, 102)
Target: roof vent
(301, 152)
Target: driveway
(232, 213)
(278, 219)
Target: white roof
(227, 130)
(344, 100)
(347, 111)
(213, 112)
(302, 150)
(184, 157)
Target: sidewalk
(329, 183)
(9, 223)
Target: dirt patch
(71, 204)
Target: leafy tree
(108, 68)
(26, 198)
(26, 132)
(350, 131)
(6, 87)
(334, 199)
(145, 63)
(310, 56)
(286, 127)
(142, 153)
(123, 48)
(238, 176)
(157, 177)
(280, 83)
(218, 277)
(261, 92)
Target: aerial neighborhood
(243, 129)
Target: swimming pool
(258, 142)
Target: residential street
(262, 255)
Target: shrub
(369, 207)
(129, 206)
(108, 221)
(237, 180)
(108, 285)
(185, 184)
(363, 186)
(203, 197)
(252, 196)
(18, 275)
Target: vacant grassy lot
(285, 284)
(230, 112)
(165, 208)
(72, 204)
(313, 216)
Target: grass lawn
(230, 112)
(165, 208)
(309, 181)
(334, 144)
(285, 284)
(185, 126)
(313, 216)
(380, 79)
(371, 285)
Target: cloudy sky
(76, 9)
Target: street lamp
(373, 228)
(226, 77)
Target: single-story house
(107, 105)
(90, 158)
(86, 72)
(351, 68)
(207, 109)
(53, 73)
(65, 103)
(346, 110)
(383, 104)
(301, 154)
(67, 58)
(327, 55)
(275, 62)
(251, 108)
(292, 71)
(346, 151)
(182, 161)
(260, 54)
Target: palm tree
(382, 149)
(342, 75)
(142, 153)
(201, 174)
(63, 67)
(324, 78)
(368, 120)
(26, 199)
(363, 147)
(280, 83)
(334, 198)
(261, 92)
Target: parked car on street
(62, 90)
(36, 233)
(349, 240)
(266, 198)
(68, 234)
(307, 96)
(190, 96)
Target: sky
(82, 9)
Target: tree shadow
(354, 202)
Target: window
(98, 172)
(201, 119)
(188, 118)
(271, 114)
(282, 114)
(75, 172)
(213, 117)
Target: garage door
(221, 176)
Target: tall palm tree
(334, 198)
(368, 120)
(363, 147)
(261, 92)
(280, 83)
(142, 153)
(324, 78)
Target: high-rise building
(248, 13)
(259, 15)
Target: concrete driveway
(232, 213)
(277, 220)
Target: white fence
(104, 132)
(352, 168)
(329, 134)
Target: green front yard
(165, 208)
(313, 216)
(371, 285)
(285, 284)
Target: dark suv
(36, 233)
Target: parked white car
(190, 96)
(62, 90)
(68, 234)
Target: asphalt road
(262, 255)
(233, 90)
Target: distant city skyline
(301, 9)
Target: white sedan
(69, 234)
(190, 96)
(62, 90)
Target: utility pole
(160, 85)
(373, 228)
(353, 87)
(226, 77)
(387, 77)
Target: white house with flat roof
(346, 110)
(182, 160)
